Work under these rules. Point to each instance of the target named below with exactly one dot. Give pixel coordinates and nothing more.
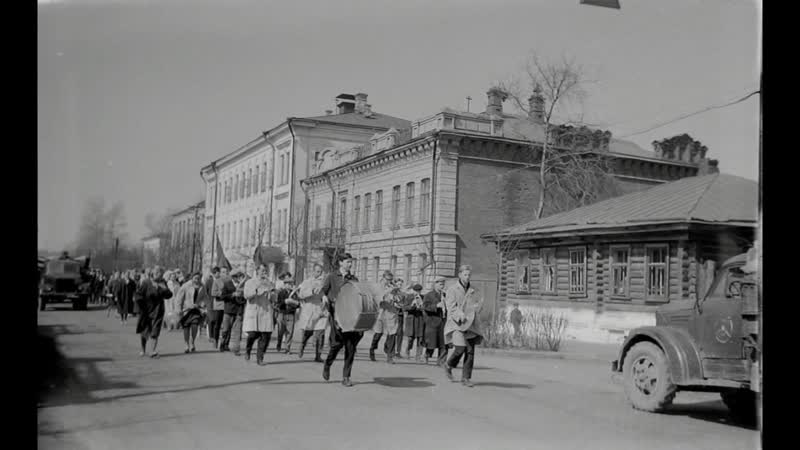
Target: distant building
(151, 248)
(609, 265)
(253, 193)
(186, 238)
(415, 201)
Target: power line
(684, 116)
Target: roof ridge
(700, 197)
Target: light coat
(258, 309)
(312, 316)
(455, 300)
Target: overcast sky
(135, 96)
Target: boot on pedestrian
(372, 354)
(346, 382)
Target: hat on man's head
(237, 273)
(417, 287)
(388, 274)
(439, 278)
(345, 257)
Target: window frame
(409, 264)
(376, 268)
(343, 211)
(612, 264)
(378, 210)
(424, 201)
(411, 192)
(647, 295)
(367, 212)
(584, 267)
(525, 255)
(396, 193)
(543, 274)
(356, 214)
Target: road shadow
(503, 385)
(68, 307)
(403, 382)
(710, 411)
(188, 355)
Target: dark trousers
(319, 340)
(215, 318)
(263, 339)
(388, 344)
(285, 330)
(398, 338)
(231, 331)
(348, 340)
(469, 357)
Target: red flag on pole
(222, 261)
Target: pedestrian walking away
(313, 318)
(257, 323)
(434, 317)
(462, 330)
(339, 338)
(191, 302)
(150, 296)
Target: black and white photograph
(399, 225)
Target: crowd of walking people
(236, 311)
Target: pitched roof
(375, 120)
(717, 199)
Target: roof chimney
(361, 102)
(496, 97)
(536, 105)
(345, 103)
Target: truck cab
(710, 344)
(64, 280)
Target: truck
(65, 280)
(710, 344)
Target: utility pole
(469, 99)
(194, 238)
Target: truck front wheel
(80, 303)
(648, 384)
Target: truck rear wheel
(648, 384)
(742, 404)
(80, 304)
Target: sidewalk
(570, 350)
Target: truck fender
(684, 358)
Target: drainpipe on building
(214, 221)
(292, 229)
(433, 202)
(333, 211)
(271, 187)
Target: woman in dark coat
(150, 297)
(413, 323)
(434, 316)
(133, 308)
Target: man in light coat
(312, 317)
(463, 304)
(191, 303)
(258, 322)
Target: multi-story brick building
(416, 201)
(253, 193)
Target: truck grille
(65, 286)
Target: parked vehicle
(64, 280)
(711, 345)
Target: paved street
(100, 395)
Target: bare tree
(574, 168)
(92, 231)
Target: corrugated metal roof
(715, 198)
(375, 120)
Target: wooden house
(609, 265)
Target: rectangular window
(548, 272)
(248, 188)
(356, 213)
(364, 267)
(318, 217)
(328, 215)
(425, 201)
(656, 271)
(620, 268)
(376, 269)
(236, 189)
(393, 264)
(241, 187)
(233, 234)
(395, 206)
(246, 233)
(409, 261)
(280, 178)
(378, 210)
(343, 213)
(255, 181)
(286, 172)
(523, 271)
(577, 271)
(264, 178)
(285, 224)
(410, 203)
(228, 235)
(367, 211)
